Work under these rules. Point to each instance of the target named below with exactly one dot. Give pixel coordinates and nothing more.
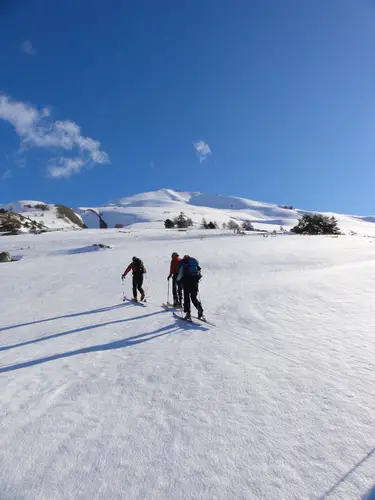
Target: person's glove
(168, 277)
(123, 277)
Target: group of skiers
(185, 274)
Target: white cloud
(6, 175)
(36, 129)
(28, 48)
(203, 150)
(62, 167)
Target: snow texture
(104, 399)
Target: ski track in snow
(107, 399)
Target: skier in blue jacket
(190, 274)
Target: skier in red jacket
(176, 286)
(138, 271)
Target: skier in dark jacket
(138, 271)
(190, 274)
(176, 285)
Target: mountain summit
(151, 209)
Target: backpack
(192, 269)
(139, 268)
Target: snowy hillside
(152, 208)
(50, 216)
(104, 399)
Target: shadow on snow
(77, 330)
(118, 344)
(72, 315)
(369, 496)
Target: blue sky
(104, 99)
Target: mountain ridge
(150, 209)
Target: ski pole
(199, 296)
(168, 294)
(123, 293)
(147, 291)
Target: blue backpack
(192, 269)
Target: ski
(191, 322)
(182, 318)
(168, 305)
(204, 320)
(138, 302)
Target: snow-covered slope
(102, 399)
(149, 211)
(152, 208)
(44, 213)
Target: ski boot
(200, 315)
(187, 317)
(135, 299)
(177, 305)
(142, 297)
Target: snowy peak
(149, 210)
(162, 197)
(157, 198)
(152, 208)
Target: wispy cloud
(151, 164)
(37, 129)
(64, 167)
(203, 150)
(6, 175)
(28, 48)
(20, 160)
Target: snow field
(104, 399)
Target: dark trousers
(190, 293)
(137, 284)
(176, 290)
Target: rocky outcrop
(101, 245)
(5, 257)
(9, 222)
(12, 224)
(64, 212)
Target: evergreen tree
(316, 224)
(182, 221)
(204, 224)
(233, 225)
(168, 224)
